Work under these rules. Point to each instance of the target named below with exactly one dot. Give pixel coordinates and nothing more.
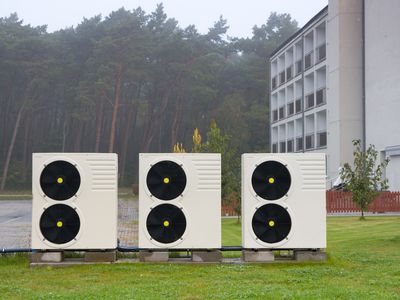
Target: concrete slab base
(309, 255)
(258, 256)
(47, 257)
(103, 256)
(207, 256)
(59, 259)
(157, 256)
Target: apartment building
(327, 85)
(298, 90)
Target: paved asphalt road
(15, 223)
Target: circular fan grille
(166, 180)
(271, 223)
(166, 223)
(271, 180)
(60, 180)
(59, 224)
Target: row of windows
(294, 70)
(295, 107)
(297, 144)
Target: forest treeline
(127, 83)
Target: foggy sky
(241, 15)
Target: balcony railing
(275, 148)
(299, 143)
(289, 73)
(309, 141)
(321, 96)
(282, 147)
(290, 108)
(274, 84)
(298, 67)
(321, 139)
(281, 112)
(274, 115)
(298, 105)
(290, 145)
(308, 60)
(310, 101)
(321, 52)
(281, 77)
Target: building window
(298, 67)
(298, 105)
(309, 141)
(290, 145)
(281, 112)
(274, 84)
(274, 115)
(299, 144)
(309, 100)
(289, 73)
(275, 148)
(282, 77)
(290, 108)
(282, 147)
(321, 139)
(308, 60)
(321, 52)
(321, 96)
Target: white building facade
(329, 87)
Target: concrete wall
(382, 74)
(344, 81)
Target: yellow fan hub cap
(271, 223)
(60, 180)
(166, 180)
(271, 180)
(166, 223)
(59, 224)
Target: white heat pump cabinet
(179, 201)
(75, 201)
(283, 201)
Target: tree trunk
(10, 149)
(117, 100)
(127, 134)
(154, 121)
(65, 132)
(160, 134)
(78, 136)
(25, 154)
(99, 123)
(176, 122)
(6, 111)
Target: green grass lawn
(364, 263)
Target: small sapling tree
(364, 179)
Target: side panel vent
(208, 174)
(104, 174)
(313, 173)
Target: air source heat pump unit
(283, 201)
(74, 201)
(179, 201)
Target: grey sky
(241, 15)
